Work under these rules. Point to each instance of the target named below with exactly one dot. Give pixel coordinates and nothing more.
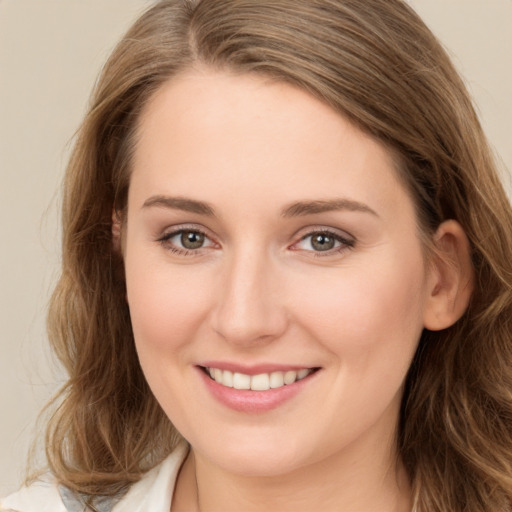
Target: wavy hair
(376, 63)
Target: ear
(116, 232)
(451, 278)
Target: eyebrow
(303, 208)
(180, 203)
(298, 209)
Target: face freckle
(265, 233)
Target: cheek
(366, 309)
(167, 304)
(167, 308)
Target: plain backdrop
(50, 54)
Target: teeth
(276, 379)
(261, 382)
(290, 377)
(302, 373)
(227, 378)
(240, 381)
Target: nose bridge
(249, 307)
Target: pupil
(192, 240)
(322, 242)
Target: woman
(286, 276)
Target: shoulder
(153, 492)
(41, 496)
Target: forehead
(208, 131)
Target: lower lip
(248, 401)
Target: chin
(263, 456)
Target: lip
(249, 401)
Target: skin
(258, 291)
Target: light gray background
(50, 54)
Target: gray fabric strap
(75, 502)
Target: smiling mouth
(260, 382)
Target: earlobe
(451, 277)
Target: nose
(250, 308)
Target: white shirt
(152, 493)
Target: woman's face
(270, 242)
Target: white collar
(156, 488)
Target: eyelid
(347, 241)
(178, 228)
(170, 232)
(311, 230)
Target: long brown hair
(376, 63)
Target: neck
(351, 481)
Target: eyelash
(345, 244)
(165, 241)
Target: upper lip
(254, 369)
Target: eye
(191, 239)
(185, 241)
(324, 242)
